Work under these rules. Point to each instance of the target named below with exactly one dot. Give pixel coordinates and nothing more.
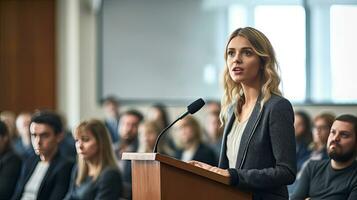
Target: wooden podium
(159, 177)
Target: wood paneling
(27, 55)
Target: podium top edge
(138, 156)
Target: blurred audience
(335, 178)
(9, 118)
(190, 133)
(321, 130)
(303, 136)
(10, 164)
(112, 114)
(148, 133)
(45, 175)
(128, 142)
(213, 106)
(214, 132)
(22, 145)
(158, 113)
(67, 145)
(97, 175)
(47, 151)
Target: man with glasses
(320, 133)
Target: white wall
(162, 50)
(77, 79)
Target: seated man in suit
(111, 109)
(46, 174)
(335, 178)
(128, 142)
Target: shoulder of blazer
(275, 99)
(109, 173)
(30, 163)
(59, 165)
(61, 161)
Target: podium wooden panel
(159, 177)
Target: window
(237, 17)
(314, 42)
(343, 40)
(285, 28)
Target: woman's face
(86, 145)
(156, 115)
(321, 131)
(187, 134)
(213, 126)
(299, 126)
(243, 63)
(149, 136)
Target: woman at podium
(258, 147)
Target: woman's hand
(208, 167)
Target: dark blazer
(55, 183)
(10, 168)
(125, 166)
(266, 160)
(112, 127)
(108, 186)
(302, 154)
(203, 154)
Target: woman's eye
(230, 53)
(247, 53)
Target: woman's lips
(237, 70)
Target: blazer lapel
(248, 133)
(50, 171)
(31, 169)
(223, 160)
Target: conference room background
(169, 51)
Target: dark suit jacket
(10, 168)
(55, 183)
(112, 127)
(108, 186)
(125, 166)
(203, 154)
(266, 160)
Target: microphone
(191, 109)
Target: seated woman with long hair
(190, 139)
(97, 175)
(148, 133)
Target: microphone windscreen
(195, 106)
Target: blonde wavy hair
(270, 79)
(150, 126)
(105, 151)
